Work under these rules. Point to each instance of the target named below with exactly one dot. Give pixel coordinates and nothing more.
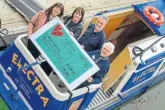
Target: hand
(82, 46)
(29, 35)
(71, 33)
(90, 79)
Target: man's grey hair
(110, 45)
(104, 17)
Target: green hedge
(3, 106)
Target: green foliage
(3, 106)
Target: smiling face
(100, 24)
(105, 51)
(77, 16)
(55, 11)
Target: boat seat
(25, 41)
(56, 81)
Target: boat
(137, 65)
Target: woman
(73, 23)
(37, 22)
(43, 17)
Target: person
(94, 36)
(101, 58)
(37, 22)
(43, 17)
(73, 23)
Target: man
(94, 36)
(101, 58)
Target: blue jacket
(75, 28)
(103, 64)
(92, 40)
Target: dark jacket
(102, 63)
(92, 40)
(75, 28)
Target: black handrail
(4, 32)
(138, 52)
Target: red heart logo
(57, 31)
(58, 27)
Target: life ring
(154, 15)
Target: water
(152, 100)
